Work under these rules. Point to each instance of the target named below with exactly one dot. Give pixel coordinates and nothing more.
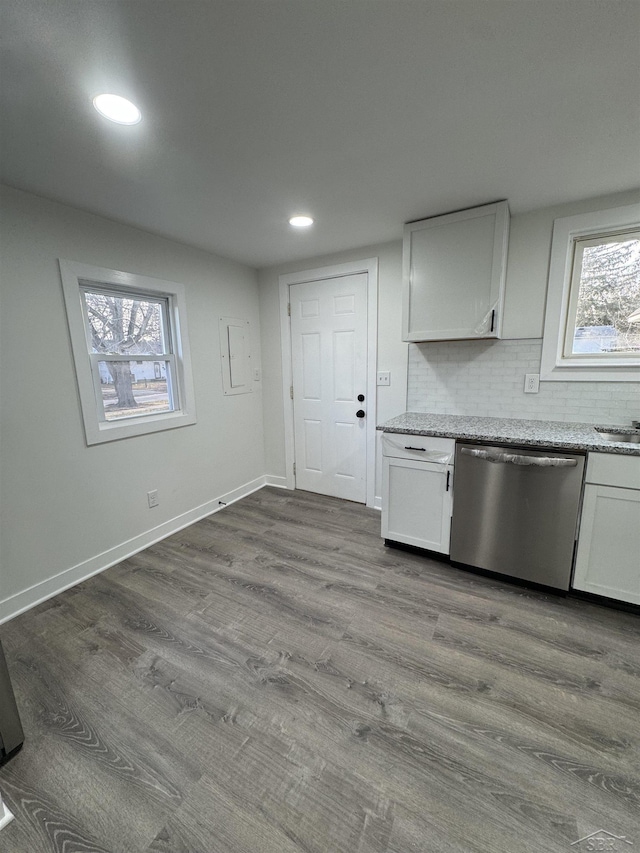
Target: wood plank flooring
(274, 680)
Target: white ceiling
(363, 113)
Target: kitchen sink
(629, 435)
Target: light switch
(384, 377)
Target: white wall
(526, 287)
(68, 509)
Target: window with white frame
(592, 324)
(128, 335)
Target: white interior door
(329, 356)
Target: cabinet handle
(416, 448)
(493, 317)
(448, 477)
(519, 459)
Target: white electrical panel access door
(235, 354)
(454, 270)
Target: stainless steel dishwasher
(515, 511)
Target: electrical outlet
(384, 377)
(256, 374)
(152, 498)
(531, 383)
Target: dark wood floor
(273, 679)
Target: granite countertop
(553, 434)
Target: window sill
(589, 373)
(130, 427)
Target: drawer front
(425, 448)
(611, 469)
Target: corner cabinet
(608, 555)
(417, 483)
(454, 270)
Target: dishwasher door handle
(520, 459)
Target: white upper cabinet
(454, 270)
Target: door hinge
(294, 469)
(289, 309)
(291, 391)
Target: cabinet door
(416, 503)
(608, 557)
(454, 269)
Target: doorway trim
(370, 267)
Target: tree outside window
(607, 279)
(592, 316)
(129, 332)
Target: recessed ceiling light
(301, 221)
(117, 109)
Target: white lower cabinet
(416, 494)
(608, 555)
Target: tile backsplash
(487, 378)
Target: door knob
(360, 413)
(361, 398)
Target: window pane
(608, 312)
(124, 325)
(131, 389)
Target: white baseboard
(278, 482)
(36, 594)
